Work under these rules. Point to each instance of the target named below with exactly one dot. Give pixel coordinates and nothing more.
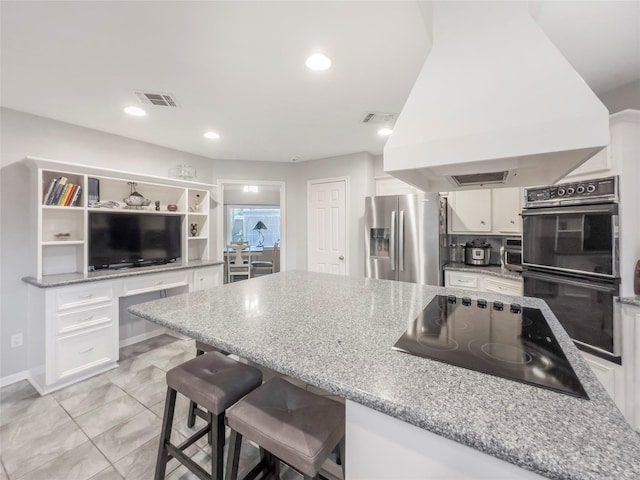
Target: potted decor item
(135, 200)
(194, 229)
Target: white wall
(622, 98)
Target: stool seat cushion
(214, 381)
(297, 426)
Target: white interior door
(327, 232)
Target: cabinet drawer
(151, 283)
(84, 295)
(85, 318)
(204, 278)
(84, 350)
(461, 280)
(506, 287)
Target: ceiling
(238, 67)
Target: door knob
(341, 257)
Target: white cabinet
(61, 230)
(73, 333)
(630, 319)
(597, 166)
(470, 211)
(611, 377)
(483, 282)
(488, 211)
(204, 278)
(392, 186)
(507, 205)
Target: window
(242, 218)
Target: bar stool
(215, 382)
(201, 348)
(296, 427)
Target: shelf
(131, 210)
(62, 207)
(198, 238)
(198, 214)
(57, 243)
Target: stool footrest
(196, 469)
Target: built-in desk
(74, 318)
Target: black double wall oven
(570, 259)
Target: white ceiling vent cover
(159, 99)
(380, 118)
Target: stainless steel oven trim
(611, 208)
(570, 271)
(576, 282)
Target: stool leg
(191, 419)
(233, 455)
(217, 450)
(165, 435)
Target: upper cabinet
(487, 211)
(64, 196)
(470, 211)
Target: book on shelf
(48, 196)
(62, 183)
(75, 196)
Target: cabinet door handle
(159, 282)
(482, 222)
(341, 257)
(87, 350)
(512, 222)
(86, 319)
(460, 280)
(87, 295)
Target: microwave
(511, 254)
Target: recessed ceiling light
(134, 111)
(212, 135)
(318, 62)
(385, 131)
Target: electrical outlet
(16, 340)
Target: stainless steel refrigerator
(403, 236)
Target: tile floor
(107, 427)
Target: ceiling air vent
(159, 99)
(480, 178)
(380, 117)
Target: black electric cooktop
(508, 341)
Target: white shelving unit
(61, 232)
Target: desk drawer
(73, 297)
(152, 283)
(506, 287)
(85, 318)
(461, 280)
(84, 350)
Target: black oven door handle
(610, 209)
(606, 288)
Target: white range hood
(496, 104)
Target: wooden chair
(238, 261)
(269, 261)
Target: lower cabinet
(483, 282)
(74, 330)
(611, 377)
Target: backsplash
(495, 242)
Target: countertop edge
(65, 279)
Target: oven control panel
(589, 191)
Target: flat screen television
(119, 240)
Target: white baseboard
(141, 338)
(14, 378)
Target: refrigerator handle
(401, 242)
(392, 241)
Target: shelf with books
(60, 233)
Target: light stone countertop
(630, 300)
(493, 270)
(64, 279)
(336, 333)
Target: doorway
(327, 233)
(242, 205)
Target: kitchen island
(336, 333)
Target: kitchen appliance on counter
(402, 237)
(511, 254)
(570, 259)
(477, 252)
(508, 341)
